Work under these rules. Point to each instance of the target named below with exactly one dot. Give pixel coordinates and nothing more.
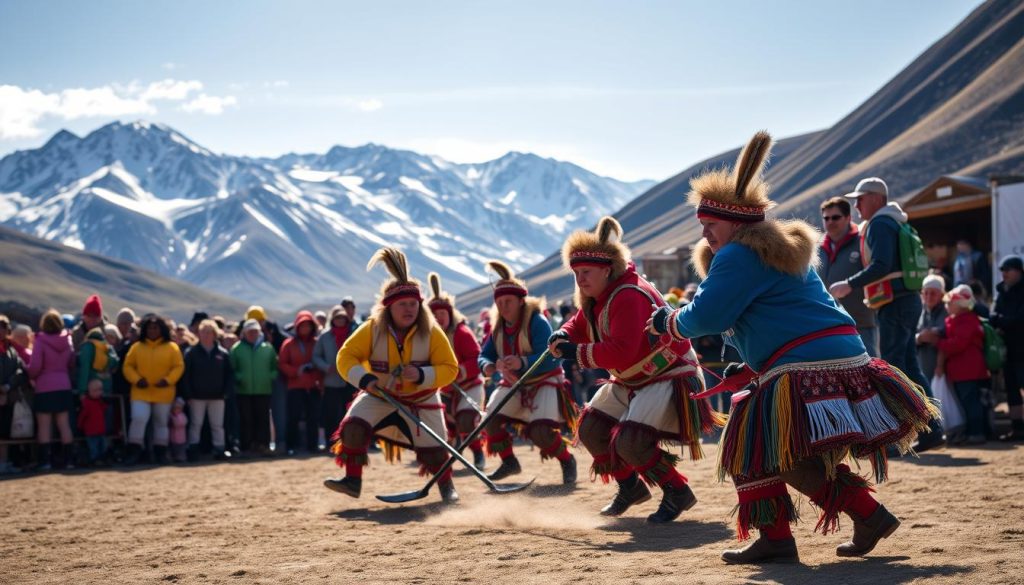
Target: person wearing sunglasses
(839, 254)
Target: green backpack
(913, 260)
(995, 347)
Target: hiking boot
(222, 454)
(867, 533)
(131, 456)
(568, 470)
(507, 468)
(479, 460)
(631, 491)
(350, 486)
(192, 453)
(448, 493)
(674, 501)
(763, 550)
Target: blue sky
(628, 89)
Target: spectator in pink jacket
(49, 370)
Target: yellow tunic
(153, 360)
(362, 357)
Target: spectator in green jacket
(255, 364)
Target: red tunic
(617, 339)
(467, 352)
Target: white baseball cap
(869, 185)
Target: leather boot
(507, 468)
(867, 533)
(448, 493)
(674, 501)
(479, 460)
(568, 470)
(631, 491)
(350, 486)
(763, 550)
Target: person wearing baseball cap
(1008, 319)
(898, 307)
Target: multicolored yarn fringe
(498, 442)
(696, 417)
(604, 468)
(824, 412)
(835, 496)
(761, 504)
(656, 471)
(555, 450)
(568, 409)
(343, 454)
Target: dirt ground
(271, 521)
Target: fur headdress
(400, 286)
(507, 283)
(602, 247)
(442, 300)
(739, 195)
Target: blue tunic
(540, 331)
(760, 309)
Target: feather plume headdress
(602, 247)
(738, 195)
(507, 283)
(400, 286)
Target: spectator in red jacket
(962, 351)
(92, 421)
(303, 379)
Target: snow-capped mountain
(298, 228)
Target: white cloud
(278, 83)
(209, 104)
(22, 110)
(170, 66)
(370, 105)
(170, 89)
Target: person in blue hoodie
(519, 337)
(811, 396)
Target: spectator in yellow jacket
(153, 366)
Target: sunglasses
(832, 217)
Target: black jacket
(1008, 318)
(208, 374)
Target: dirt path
(272, 522)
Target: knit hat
(602, 248)
(251, 324)
(93, 307)
(507, 283)
(960, 295)
(179, 401)
(934, 281)
(1011, 263)
(336, 311)
(126, 316)
(198, 318)
(256, 312)
(400, 286)
(111, 329)
(738, 195)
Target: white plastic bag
(22, 422)
(952, 412)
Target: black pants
(254, 420)
(303, 405)
(336, 401)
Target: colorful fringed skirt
(853, 407)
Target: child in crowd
(179, 436)
(962, 353)
(92, 421)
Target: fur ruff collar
(789, 246)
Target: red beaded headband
(507, 287)
(709, 208)
(399, 292)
